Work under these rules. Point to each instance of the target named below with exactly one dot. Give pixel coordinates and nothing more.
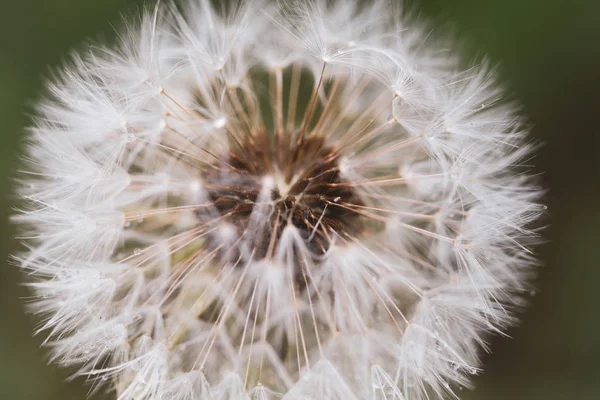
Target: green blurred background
(549, 53)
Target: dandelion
(306, 200)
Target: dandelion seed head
(303, 200)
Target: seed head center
(276, 182)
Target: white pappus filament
(303, 200)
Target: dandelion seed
(298, 201)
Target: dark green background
(549, 53)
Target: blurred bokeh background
(549, 53)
